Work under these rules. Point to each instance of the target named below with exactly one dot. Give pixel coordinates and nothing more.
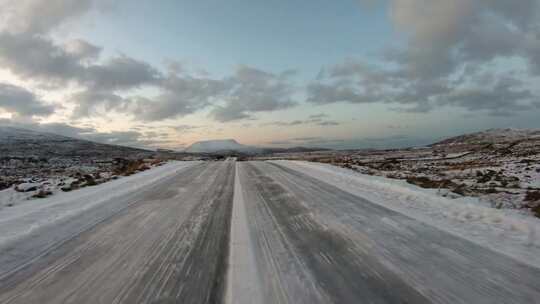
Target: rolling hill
(15, 142)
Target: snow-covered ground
(28, 215)
(50, 162)
(511, 232)
(39, 182)
(499, 166)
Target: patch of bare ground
(533, 198)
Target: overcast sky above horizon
(341, 74)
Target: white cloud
(451, 44)
(39, 16)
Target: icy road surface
(255, 232)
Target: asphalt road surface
(256, 232)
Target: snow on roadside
(506, 231)
(29, 215)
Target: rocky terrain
(501, 167)
(36, 165)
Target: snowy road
(257, 232)
(172, 244)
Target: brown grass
(129, 167)
(426, 182)
(536, 211)
(532, 196)
(42, 194)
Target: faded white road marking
(242, 279)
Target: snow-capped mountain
(220, 145)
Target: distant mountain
(15, 142)
(220, 145)
(231, 146)
(492, 136)
(293, 150)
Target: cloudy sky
(344, 74)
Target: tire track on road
(333, 271)
(172, 245)
(443, 267)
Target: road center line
(242, 279)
